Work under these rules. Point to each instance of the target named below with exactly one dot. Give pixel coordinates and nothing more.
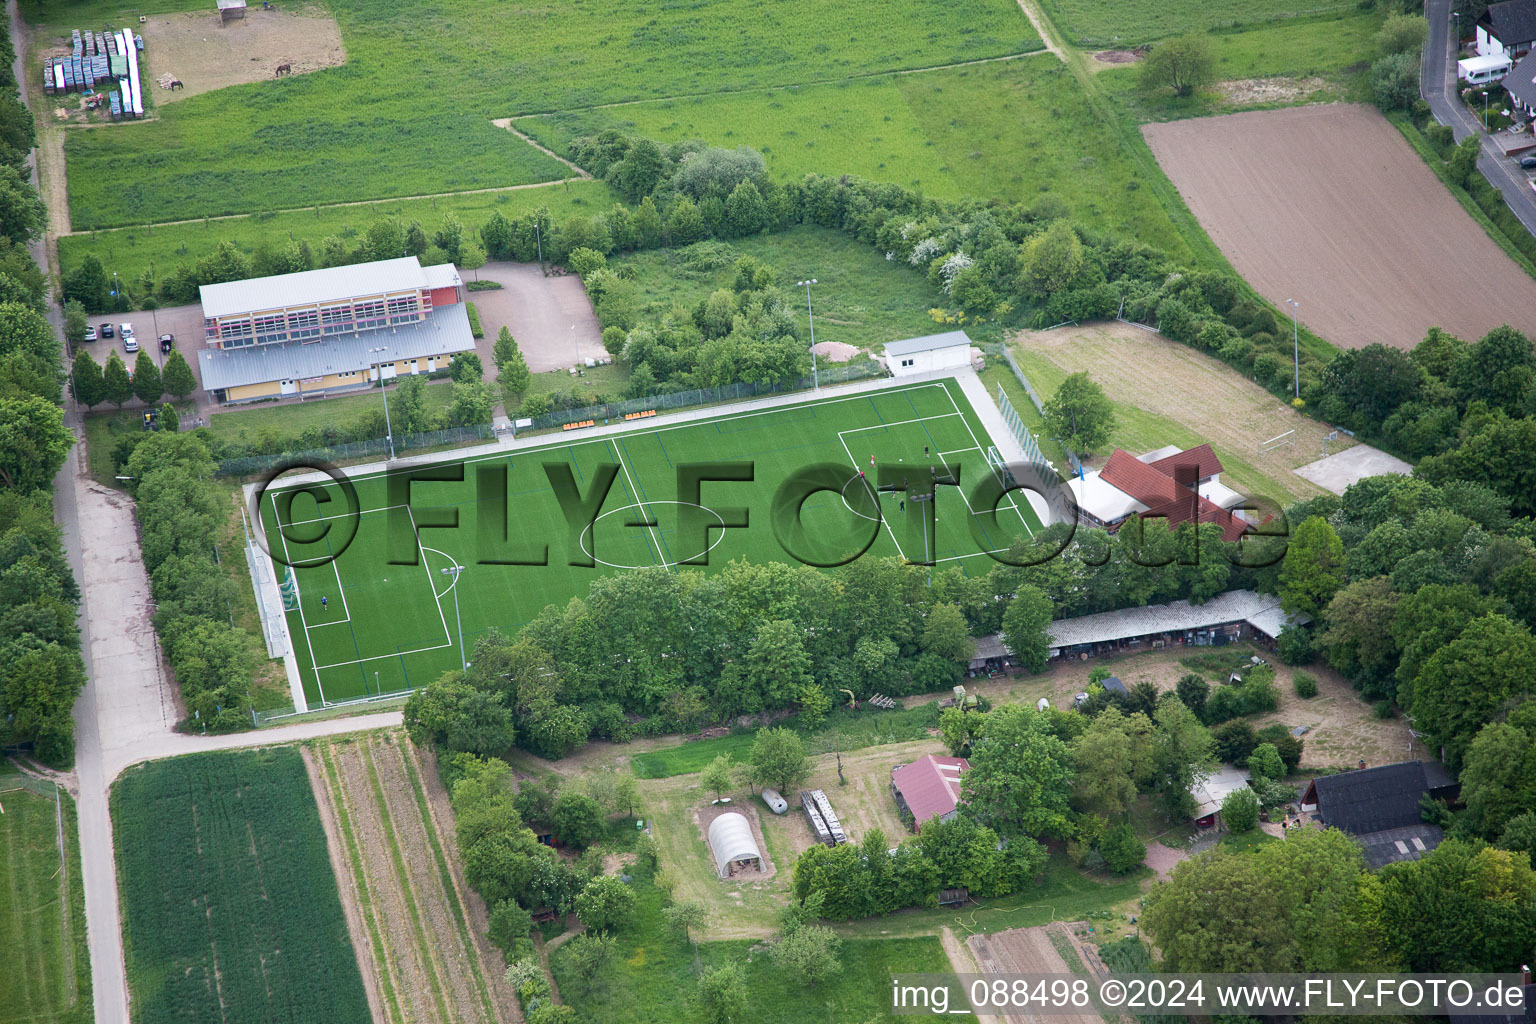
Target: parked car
(130, 344)
(1528, 162)
(167, 342)
(126, 330)
(106, 330)
(90, 333)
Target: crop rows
(230, 906)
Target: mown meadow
(410, 111)
(1130, 22)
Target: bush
(1240, 810)
(482, 286)
(1123, 849)
(1294, 645)
(1306, 685)
(1264, 762)
(474, 320)
(1234, 741)
(1395, 81)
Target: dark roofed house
(1380, 808)
(1507, 29)
(1520, 83)
(928, 788)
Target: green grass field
(1128, 22)
(230, 907)
(382, 617)
(382, 124)
(1008, 130)
(47, 979)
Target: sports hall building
(322, 331)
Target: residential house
(1178, 486)
(1380, 808)
(1507, 29)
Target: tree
(75, 322)
(117, 386)
(684, 916)
(511, 369)
(1498, 780)
(509, 925)
(814, 705)
(410, 405)
(1291, 906)
(1402, 33)
(1466, 683)
(810, 951)
(89, 387)
(24, 329)
(146, 379)
(1265, 763)
(776, 664)
(640, 172)
(745, 211)
(87, 284)
(1182, 64)
(722, 993)
(21, 209)
(779, 758)
(717, 775)
(1313, 568)
(177, 376)
(957, 729)
(33, 442)
(1021, 775)
(1050, 261)
(472, 256)
(1122, 848)
(1026, 627)
(1112, 755)
(452, 714)
(473, 402)
(170, 419)
(606, 903)
(590, 956)
(553, 1013)
(1463, 162)
(465, 368)
(1080, 415)
(946, 634)
(1193, 690)
(578, 820)
(1181, 756)
(1240, 810)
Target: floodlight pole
(1295, 343)
(454, 571)
(815, 375)
(389, 433)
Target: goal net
(289, 588)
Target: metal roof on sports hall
(309, 287)
(444, 332)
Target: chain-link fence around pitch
(1034, 396)
(375, 447)
(833, 373)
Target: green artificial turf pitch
(382, 617)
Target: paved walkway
(1439, 88)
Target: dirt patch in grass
(1247, 92)
(836, 351)
(1146, 373)
(1162, 858)
(204, 55)
(1330, 205)
(1120, 56)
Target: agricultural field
(1030, 951)
(230, 906)
(1150, 379)
(1094, 23)
(1401, 255)
(405, 900)
(1010, 130)
(47, 979)
(379, 126)
(162, 247)
(373, 613)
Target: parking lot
(184, 323)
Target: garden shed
(229, 10)
(731, 842)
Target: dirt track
(1330, 206)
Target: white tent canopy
(730, 840)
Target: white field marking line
(448, 589)
(342, 590)
(883, 520)
(299, 602)
(428, 570)
(977, 442)
(957, 451)
(634, 491)
(343, 515)
(900, 423)
(813, 403)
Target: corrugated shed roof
(1372, 799)
(1216, 788)
(930, 785)
(730, 838)
(312, 286)
(444, 332)
(1232, 606)
(1391, 845)
(927, 343)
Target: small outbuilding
(928, 788)
(731, 842)
(230, 10)
(948, 351)
(776, 803)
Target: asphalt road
(1438, 87)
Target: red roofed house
(1178, 486)
(928, 788)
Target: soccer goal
(1289, 437)
(1000, 467)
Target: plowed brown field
(1330, 206)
